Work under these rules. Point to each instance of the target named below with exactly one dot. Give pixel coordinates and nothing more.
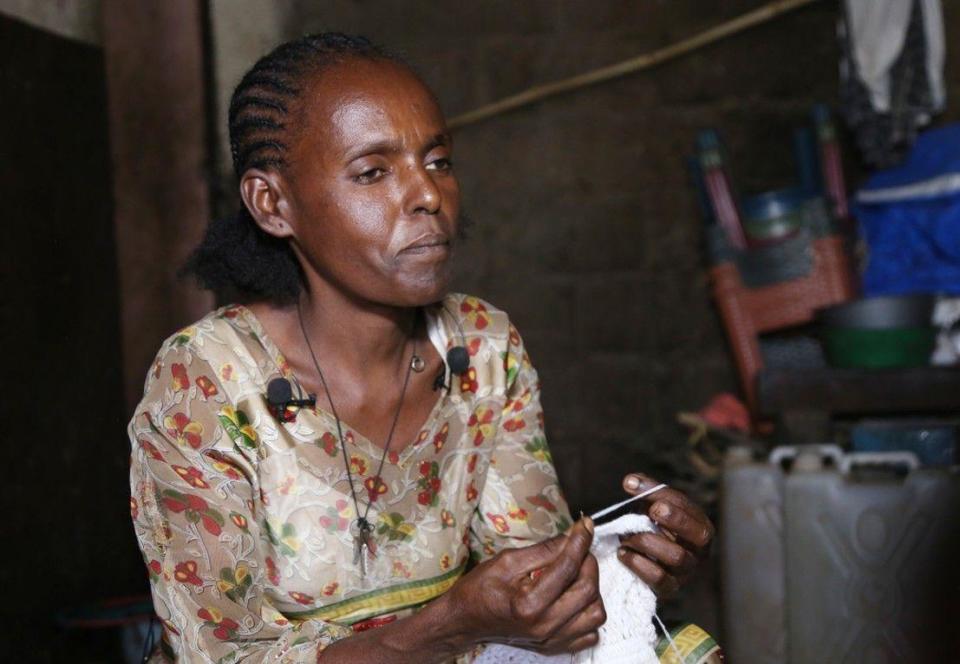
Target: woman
(274, 532)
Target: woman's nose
(422, 196)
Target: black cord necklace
(361, 528)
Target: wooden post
(156, 105)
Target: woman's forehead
(363, 101)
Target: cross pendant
(363, 544)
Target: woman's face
(373, 201)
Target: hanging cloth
(891, 73)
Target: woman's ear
(262, 193)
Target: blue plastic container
(934, 443)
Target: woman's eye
(441, 164)
(370, 175)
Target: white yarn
(629, 635)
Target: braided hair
(236, 259)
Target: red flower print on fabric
(337, 518)
(330, 588)
(150, 449)
(191, 476)
(372, 623)
(358, 465)
(517, 513)
(181, 380)
(184, 430)
(134, 508)
(541, 500)
(155, 569)
(240, 521)
(195, 509)
(375, 487)
(301, 598)
(514, 336)
(472, 463)
(471, 492)
(273, 574)
(440, 439)
(481, 425)
(186, 572)
(224, 628)
(473, 346)
(222, 464)
(499, 523)
(468, 381)
(287, 485)
(328, 442)
(518, 404)
(207, 386)
(514, 424)
(421, 437)
(447, 519)
(170, 627)
(475, 312)
(428, 483)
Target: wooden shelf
(921, 389)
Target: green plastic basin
(855, 348)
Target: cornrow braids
(236, 259)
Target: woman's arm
(543, 597)
(193, 482)
(521, 501)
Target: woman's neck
(362, 336)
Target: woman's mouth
(428, 245)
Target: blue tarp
(910, 219)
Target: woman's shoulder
(493, 343)
(222, 326)
(228, 339)
(477, 317)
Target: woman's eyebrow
(383, 145)
(393, 146)
(443, 138)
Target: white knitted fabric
(628, 636)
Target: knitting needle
(614, 508)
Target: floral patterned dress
(244, 521)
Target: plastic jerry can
(872, 548)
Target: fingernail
(621, 552)
(661, 511)
(632, 483)
(588, 524)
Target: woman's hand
(542, 597)
(665, 560)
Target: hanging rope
(539, 92)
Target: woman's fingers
(663, 551)
(657, 577)
(581, 594)
(557, 575)
(534, 557)
(579, 632)
(687, 521)
(672, 510)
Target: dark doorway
(67, 536)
